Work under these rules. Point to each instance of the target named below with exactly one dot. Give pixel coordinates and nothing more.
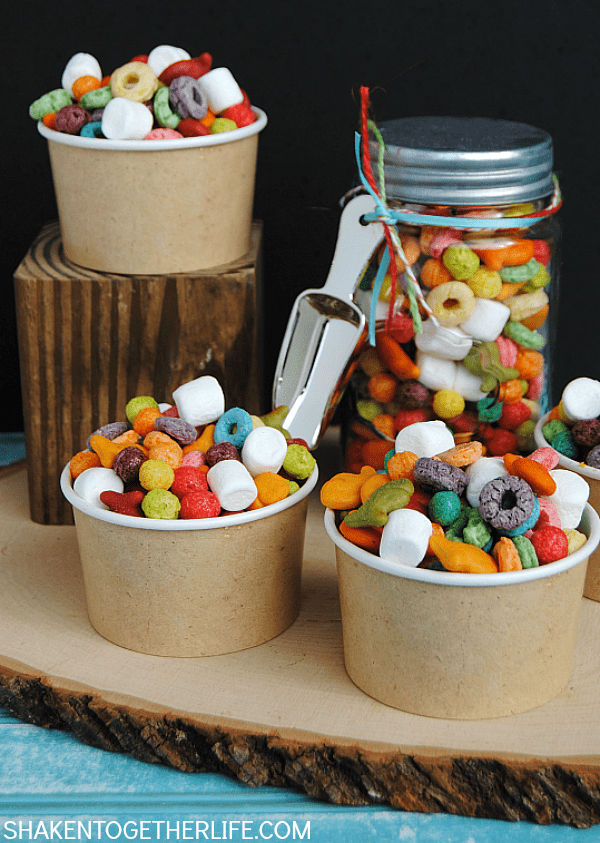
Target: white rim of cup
(590, 521)
(563, 461)
(182, 524)
(157, 145)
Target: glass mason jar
(463, 330)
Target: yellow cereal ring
(485, 283)
(135, 81)
(451, 303)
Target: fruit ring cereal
(134, 81)
(509, 505)
(451, 303)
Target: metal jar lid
(464, 161)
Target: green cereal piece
(163, 112)
(476, 532)
(455, 530)
(368, 409)
(97, 98)
(564, 443)
(374, 512)
(523, 335)
(552, 428)
(444, 508)
(526, 552)
(50, 103)
(140, 402)
(222, 124)
(294, 487)
(539, 280)
(461, 261)
(299, 462)
(518, 274)
(160, 503)
(526, 436)
(483, 360)
(488, 409)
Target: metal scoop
(324, 329)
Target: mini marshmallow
(93, 481)
(570, 498)
(221, 89)
(487, 319)
(162, 57)
(80, 64)
(405, 537)
(436, 372)
(200, 401)
(449, 343)
(124, 119)
(467, 384)
(480, 473)
(264, 449)
(425, 439)
(581, 399)
(233, 485)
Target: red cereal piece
(125, 503)
(298, 441)
(466, 422)
(499, 442)
(195, 458)
(541, 252)
(188, 478)
(241, 114)
(191, 128)
(200, 505)
(514, 414)
(419, 501)
(401, 327)
(550, 544)
(405, 417)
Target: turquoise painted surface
(50, 777)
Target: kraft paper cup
(592, 476)
(155, 207)
(201, 587)
(459, 646)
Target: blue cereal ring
(233, 427)
(529, 524)
(92, 130)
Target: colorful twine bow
(390, 218)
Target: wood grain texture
(90, 341)
(285, 713)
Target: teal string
(377, 283)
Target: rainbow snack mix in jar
(164, 95)
(448, 507)
(461, 297)
(190, 459)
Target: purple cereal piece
(187, 98)
(71, 118)
(221, 451)
(412, 395)
(109, 431)
(181, 431)
(593, 458)
(586, 434)
(506, 502)
(437, 476)
(127, 463)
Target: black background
(303, 62)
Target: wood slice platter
(284, 713)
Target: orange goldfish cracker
(384, 423)
(144, 421)
(271, 487)
(363, 431)
(554, 413)
(402, 464)
(438, 530)
(509, 459)
(130, 437)
(411, 249)
(382, 387)
(529, 363)
(374, 451)
(395, 358)
(369, 538)
(465, 454)
(342, 491)
(371, 484)
(105, 448)
(462, 557)
(506, 555)
(536, 320)
(82, 460)
(534, 473)
(204, 441)
(513, 255)
(509, 289)
(434, 273)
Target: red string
(368, 171)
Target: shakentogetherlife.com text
(164, 830)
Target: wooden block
(90, 341)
